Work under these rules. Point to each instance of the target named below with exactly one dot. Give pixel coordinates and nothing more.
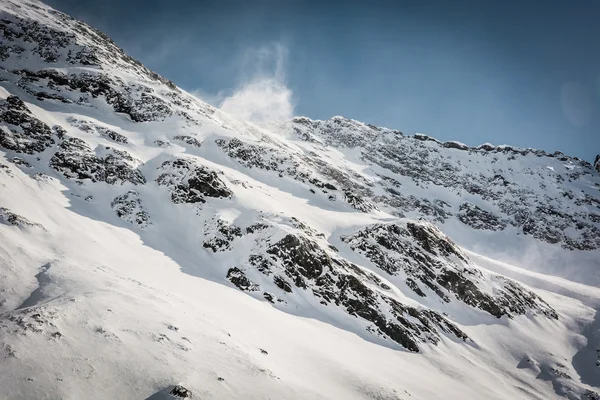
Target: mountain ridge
(309, 220)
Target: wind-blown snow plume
(262, 94)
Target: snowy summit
(155, 247)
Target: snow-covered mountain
(154, 247)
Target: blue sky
(525, 73)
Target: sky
(524, 73)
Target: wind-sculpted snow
(166, 222)
(430, 264)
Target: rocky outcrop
(137, 101)
(129, 208)
(20, 131)
(190, 182)
(90, 127)
(597, 163)
(8, 217)
(192, 141)
(76, 160)
(430, 264)
(492, 174)
(281, 266)
(478, 218)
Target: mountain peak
(139, 225)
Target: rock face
(75, 160)
(190, 182)
(301, 262)
(90, 127)
(20, 131)
(597, 163)
(477, 218)
(128, 207)
(430, 264)
(490, 174)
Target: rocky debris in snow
(224, 234)
(90, 127)
(21, 162)
(284, 162)
(358, 202)
(299, 261)
(181, 392)
(552, 225)
(7, 217)
(161, 143)
(128, 207)
(192, 141)
(430, 165)
(239, 279)
(430, 263)
(38, 320)
(76, 160)
(337, 132)
(590, 395)
(6, 169)
(190, 182)
(20, 131)
(478, 218)
(136, 100)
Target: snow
(97, 305)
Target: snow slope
(150, 240)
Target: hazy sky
(524, 72)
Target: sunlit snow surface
(113, 287)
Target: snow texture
(154, 247)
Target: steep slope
(317, 220)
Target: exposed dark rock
(181, 392)
(90, 127)
(9, 218)
(20, 131)
(456, 145)
(128, 207)
(224, 234)
(75, 160)
(188, 140)
(337, 282)
(239, 279)
(478, 218)
(190, 182)
(423, 254)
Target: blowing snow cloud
(262, 94)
